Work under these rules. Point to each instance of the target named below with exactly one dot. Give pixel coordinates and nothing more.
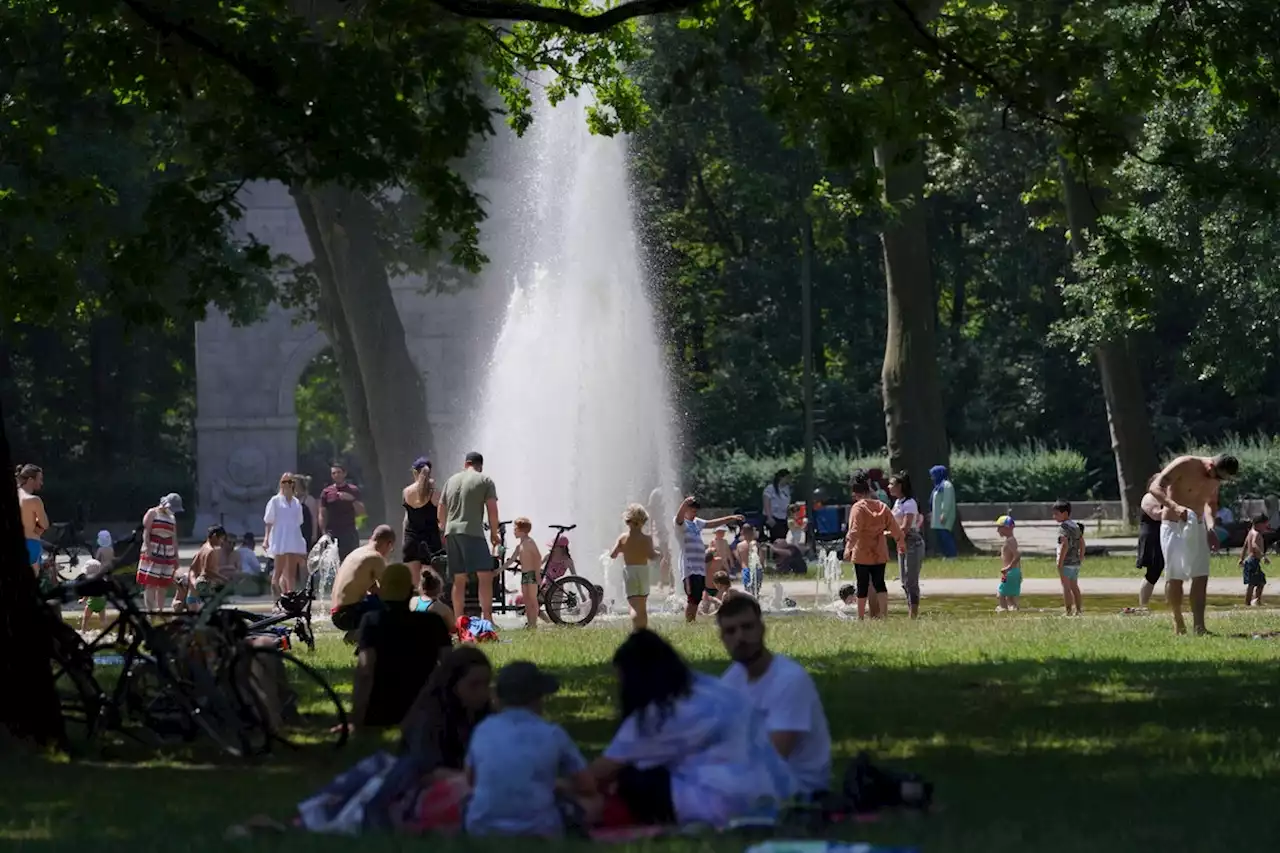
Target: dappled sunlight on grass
(1011, 715)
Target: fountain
(575, 420)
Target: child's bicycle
(567, 600)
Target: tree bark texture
(29, 708)
(915, 425)
(1132, 440)
(381, 384)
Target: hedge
(736, 479)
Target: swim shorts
(1253, 574)
(1186, 548)
(1011, 586)
(636, 580)
(1071, 573)
(34, 552)
(694, 587)
(528, 578)
(468, 554)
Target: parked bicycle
(567, 600)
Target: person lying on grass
(523, 769)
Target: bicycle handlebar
(563, 528)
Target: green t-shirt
(465, 495)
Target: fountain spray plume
(575, 419)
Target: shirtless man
(34, 520)
(357, 579)
(1185, 496)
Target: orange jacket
(869, 521)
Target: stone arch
(294, 365)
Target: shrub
(1033, 473)
(1259, 466)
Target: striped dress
(157, 566)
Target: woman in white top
(283, 541)
(907, 514)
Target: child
(848, 595)
(247, 553)
(529, 559)
(106, 553)
(517, 762)
(722, 547)
(1070, 556)
(795, 524)
(742, 551)
(713, 566)
(724, 589)
(95, 605)
(1251, 559)
(693, 563)
(1010, 567)
(429, 601)
(637, 550)
(561, 563)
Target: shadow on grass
(1056, 755)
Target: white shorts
(1185, 545)
(635, 579)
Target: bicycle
(567, 600)
(62, 553)
(169, 690)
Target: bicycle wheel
(299, 706)
(67, 558)
(79, 694)
(571, 600)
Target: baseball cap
(521, 682)
(474, 458)
(420, 463)
(1004, 521)
(396, 583)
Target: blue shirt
(694, 552)
(516, 758)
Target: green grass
(988, 566)
(1041, 733)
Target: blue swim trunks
(34, 552)
(1012, 584)
(1071, 573)
(1253, 574)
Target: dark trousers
(348, 541)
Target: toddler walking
(637, 551)
(1252, 556)
(1010, 567)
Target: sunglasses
(286, 482)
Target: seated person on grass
(355, 585)
(722, 590)
(397, 650)
(204, 572)
(429, 600)
(518, 762)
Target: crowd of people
(688, 749)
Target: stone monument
(246, 425)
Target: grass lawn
(988, 566)
(1041, 733)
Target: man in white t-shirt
(782, 690)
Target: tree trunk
(1132, 441)
(29, 708)
(333, 323)
(395, 406)
(913, 411)
(806, 341)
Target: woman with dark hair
(907, 513)
(688, 750)
(869, 521)
(776, 501)
(430, 785)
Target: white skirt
(286, 540)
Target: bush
(1259, 466)
(1034, 473)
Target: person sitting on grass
(637, 551)
(780, 689)
(204, 571)
(432, 587)
(1252, 556)
(397, 650)
(518, 761)
(356, 583)
(1070, 556)
(1010, 567)
(721, 591)
(687, 751)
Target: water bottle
(812, 846)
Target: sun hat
(104, 538)
(561, 542)
(173, 501)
